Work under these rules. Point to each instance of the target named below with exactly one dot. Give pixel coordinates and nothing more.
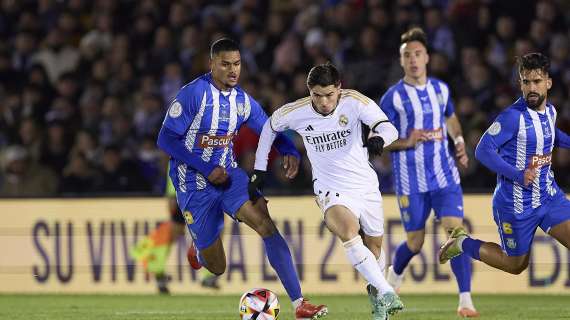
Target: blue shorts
(517, 230)
(204, 212)
(415, 208)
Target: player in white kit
(339, 128)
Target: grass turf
(345, 307)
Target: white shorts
(367, 207)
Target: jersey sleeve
(449, 107)
(502, 130)
(256, 121)
(372, 116)
(257, 116)
(181, 111)
(387, 106)
(279, 121)
(561, 139)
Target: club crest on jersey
(240, 109)
(343, 120)
(175, 109)
(494, 129)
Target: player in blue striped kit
(518, 147)
(426, 176)
(197, 133)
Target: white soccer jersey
(334, 143)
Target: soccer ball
(259, 304)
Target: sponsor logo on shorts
(511, 243)
(406, 216)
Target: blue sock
(471, 247)
(281, 260)
(461, 267)
(402, 257)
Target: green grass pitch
(345, 307)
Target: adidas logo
(309, 128)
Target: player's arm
(382, 131)
(171, 139)
(402, 143)
(456, 133)
(502, 130)
(266, 139)
(284, 145)
(561, 139)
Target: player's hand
(218, 176)
(461, 155)
(416, 136)
(375, 145)
(291, 166)
(529, 176)
(256, 183)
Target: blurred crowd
(84, 85)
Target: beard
(536, 102)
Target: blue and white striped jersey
(430, 165)
(523, 138)
(207, 120)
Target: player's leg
(414, 211)
(256, 215)
(205, 220)
(172, 229)
(448, 206)
(557, 220)
(345, 225)
(153, 250)
(374, 244)
(371, 221)
(516, 239)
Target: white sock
(465, 300)
(297, 303)
(364, 261)
(382, 261)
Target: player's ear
(548, 83)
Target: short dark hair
(534, 61)
(323, 75)
(223, 44)
(414, 34)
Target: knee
(415, 244)
(265, 227)
(517, 268)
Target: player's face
(414, 59)
(226, 68)
(325, 99)
(534, 86)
